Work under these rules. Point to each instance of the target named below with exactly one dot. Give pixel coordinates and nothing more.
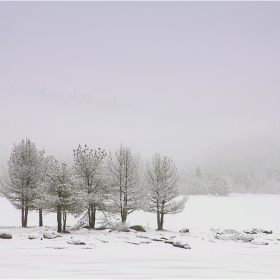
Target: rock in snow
(247, 237)
(250, 231)
(229, 231)
(5, 235)
(227, 237)
(34, 235)
(169, 241)
(184, 230)
(259, 242)
(180, 244)
(50, 234)
(258, 230)
(76, 242)
(267, 231)
(138, 228)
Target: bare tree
(161, 190)
(25, 169)
(88, 171)
(123, 170)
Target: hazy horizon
(185, 79)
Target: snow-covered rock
(138, 228)
(160, 239)
(184, 230)
(76, 242)
(181, 244)
(169, 241)
(229, 231)
(250, 231)
(247, 237)
(5, 234)
(259, 242)
(34, 235)
(259, 230)
(228, 237)
(50, 234)
(267, 231)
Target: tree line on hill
(252, 167)
(112, 184)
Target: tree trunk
(158, 220)
(89, 216)
(22, 216)
(25, 216)
(40, 217)
(124, 215)
(160, 215)
(59, 218)
(64, 221)
(161, 220)
(124, 209)
(22, 212)
(92, 216)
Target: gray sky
(216, 62)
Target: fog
(196, 81)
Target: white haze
(190, 80)
(60, 123)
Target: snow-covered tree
(41, 190)
(123, 169)
(88, 168)
(25, 168)
(218, 186)
(196, 182)
(162, 195)
(62, 194)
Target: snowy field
(142, 255)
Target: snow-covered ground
(137, 255)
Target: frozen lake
(23, 258)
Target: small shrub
(121, 227)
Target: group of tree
(115, 184)
(253, 168)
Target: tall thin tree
(123, 170)
(162, 190)
(62, 194)
(88, 171)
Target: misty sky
(218, 62)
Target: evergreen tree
(124, 175)
(25, 168)
(62, 195)
(162, 191)
(219, 186)
(88, 168)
